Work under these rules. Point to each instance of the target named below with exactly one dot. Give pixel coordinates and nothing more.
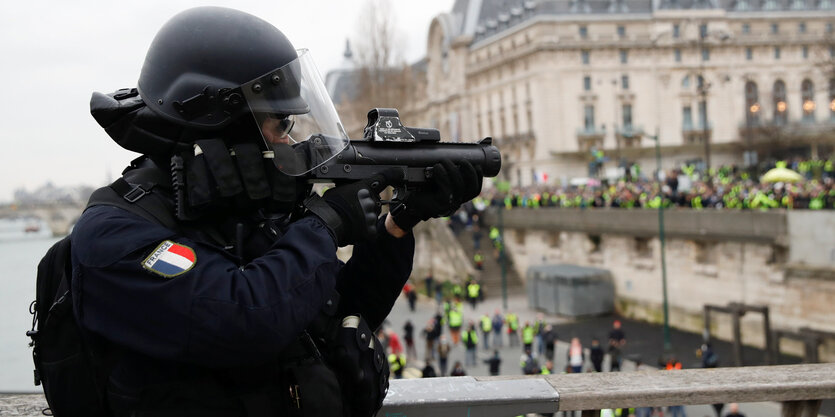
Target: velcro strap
(317, 205)
(221, 166)
(248, 158)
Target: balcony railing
(776, 131)
(630, 136)
(590, 137)
(696, 133)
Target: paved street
(511, 356)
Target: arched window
(781, 107)
(807, 94)
(752, 103)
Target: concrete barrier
(767, 227)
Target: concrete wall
(712, 257)
(705, 224)
(812, 238)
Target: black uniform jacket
(178, 307)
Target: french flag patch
(170, 259)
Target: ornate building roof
(483, 18)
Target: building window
(677, 54)
(554, 239)
(621, 31)
(587, 83)
(775, 28)
(749, 54)
(746, 29)
(584, 56)
(624, 82)
(703, 30)
(588, 118)
(832, 99)
(807, 94)
(801, 27)
(705, 54)
(832, 51)
(685, 82)
(686, 118)
(676, 31)
(627, 116)
(703, 114)
(752, 103)
(705, 253)
(805, 52)
(584, 32)
(595, 241)
(642, 247)
(776, 52)
(624, 57)
(781, 107)
(829, 28)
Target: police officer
(212, 286)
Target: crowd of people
(726, 187)
(483, 336)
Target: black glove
(351, 210)
(449, 187)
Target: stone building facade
(552, 81)
(762, 259)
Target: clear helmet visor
(296, 116)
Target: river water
(20, 253)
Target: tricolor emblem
(170, 259)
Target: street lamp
(502, 256)
(704, 85)
(662, 238)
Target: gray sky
(55, 53)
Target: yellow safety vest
(455, 318)
(512, 322)
(527, 334)
(472, 290)
(396, 362)
(471, 335)
(486, 324)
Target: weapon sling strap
(137, 199)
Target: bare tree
(383, 77)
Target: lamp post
(704, 86)
(662, 238)
(502, 257)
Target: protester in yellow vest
(471, 343)
(512, 327)
(528, 333)
(456, 319)
(472, 293)
(486, 328)
(396, 364)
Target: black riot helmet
(199, 59)
(210, 66)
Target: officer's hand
(357, 206)
(449, 187)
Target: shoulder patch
(170, 259)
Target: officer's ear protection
(133, 126)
